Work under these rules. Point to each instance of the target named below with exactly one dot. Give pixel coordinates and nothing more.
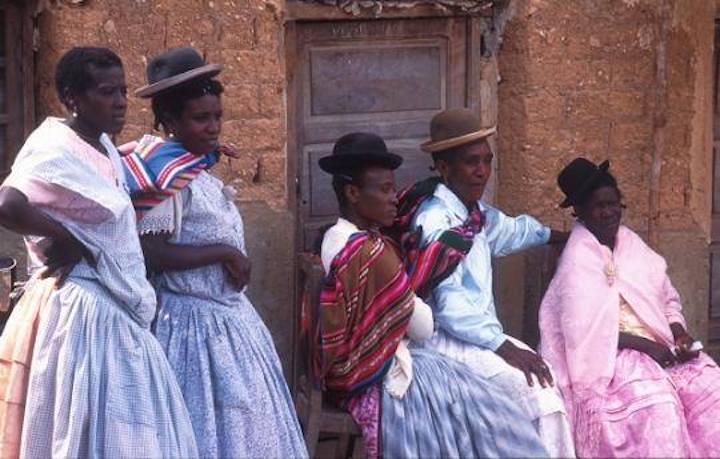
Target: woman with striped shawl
(222, 352)
(408, 402)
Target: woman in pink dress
(633, 379)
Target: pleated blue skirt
(230, 375)
(449, 412)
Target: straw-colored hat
(454, 127)
(175, 67)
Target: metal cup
(7, 281)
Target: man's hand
(526, 361)
(60, 257)
(237, 266)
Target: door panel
(379, 78)
(383, 76)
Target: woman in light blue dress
(221, 351)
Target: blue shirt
(463, 304)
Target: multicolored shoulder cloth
(429, 265)
(364, 311)
(155, 169)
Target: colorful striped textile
(365, 307)
(155, 169)
(430, 265)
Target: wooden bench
(319, 418)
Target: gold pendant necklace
(610, 272)
(610, 267)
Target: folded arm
(660, 353)
(163, 255)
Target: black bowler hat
(577, 177)
(174, 67)
(359, 149)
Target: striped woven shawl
(428, 266)
(365, 307)
(155, 169)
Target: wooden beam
(303, 11)
(14, 132)
(28, 67)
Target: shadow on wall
(269, 238)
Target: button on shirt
(463, 304)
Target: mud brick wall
(246, 36)
(625, 80)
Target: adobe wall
(625, 80)
(247, 37)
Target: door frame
(481, 83)
(18, 118)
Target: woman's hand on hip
(60, 257)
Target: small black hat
(356, 150)
(174, 67)
(577, 177)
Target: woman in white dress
(99, 383)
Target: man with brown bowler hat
(467, 327)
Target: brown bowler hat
(173, 68)
(454, 127)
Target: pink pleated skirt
(16, 349)
(648, 411)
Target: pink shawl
(579, 315)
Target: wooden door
(383, 76)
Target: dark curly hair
(73, 70)
(171, 103)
